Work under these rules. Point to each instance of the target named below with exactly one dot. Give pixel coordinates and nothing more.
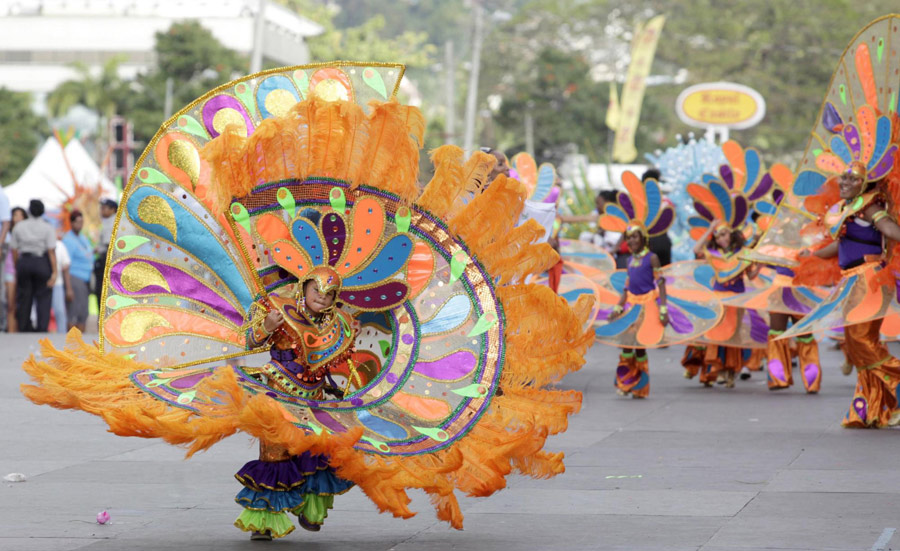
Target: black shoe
(261, 536)
(307, 525)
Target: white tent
(48, 176)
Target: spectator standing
(79, 248)
(62, 289)
(9, 275)
(108, 209)
(33, 246)
(5, 224)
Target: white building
(40, 39)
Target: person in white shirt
(62, 289)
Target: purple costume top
(640, 275)
(733, 285)
(857, 242)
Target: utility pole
(529, 130)
(472, 96)
(449, 89)
(167, 106)
(258, 30)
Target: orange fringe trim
(321, 138)
(813, 271)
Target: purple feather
(831, 119)
(777, 195)
(665, 219)
(851, 136)
(765, 184)
(727, 176)
(787, 296)
(740, 211)
(335, 234)
(759, 329)
(703, 211)
(679, 322)
(884, 165)
(625, 202)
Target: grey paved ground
(689, 468)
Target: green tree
(195, 61)
(366, 41)
(105, 92)
(20, 133)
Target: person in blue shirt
(81, 251)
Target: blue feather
(618, 326)
(808, 294)
(195, 238)
(704, 274)
(381, 426)
(616, 211)
(839, 148)
(751, 159)
(882, 140)
(573, 295)
(724, 198)
(707, 178)
(698, 222)
(808, 183)
(618, 280)
(695, 310)
(266, 87)
(545, 180)
(829, 304)
(451, 315)
(765, 207)
(389, 261)
(304, 232)
(654, 201)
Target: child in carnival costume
(283, 210)
(723, 204)
(776, 293)
(649, 312)
(308, 335)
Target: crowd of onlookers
(47, 274)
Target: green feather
(338, 200)
(471, 391)
(245, 94)
(301, 79)
(115, 302)
(433, 433)
(152, 176)
(458, 265)
(286, 199)
(373, 79)
(240, 215)
(190, 125)
(130, 242)
(403, 219)
(484, 323)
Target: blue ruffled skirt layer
(304, 485)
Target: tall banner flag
(643, 48)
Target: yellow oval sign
(721, 104)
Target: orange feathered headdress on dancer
(640, 209)
(302, 157)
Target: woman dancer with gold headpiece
(859, 225)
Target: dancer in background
(649, 313)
